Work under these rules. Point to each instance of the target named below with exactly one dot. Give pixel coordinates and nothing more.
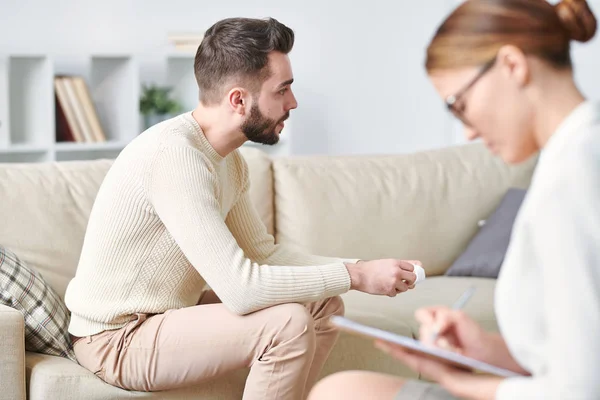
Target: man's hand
(383, 277)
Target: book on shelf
(186, 42)
(76, 116)
(187, 48)
(185, 37)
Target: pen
(458, 304)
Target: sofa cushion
(485, 253)
(437, 290)
(45, 315)
(51, 377)
(421, 206)
(58, 378)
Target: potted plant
(156, 105)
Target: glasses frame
(452, 100)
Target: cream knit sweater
(171, 216)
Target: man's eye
(282, 91)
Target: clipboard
(416, 346)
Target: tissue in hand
(420, 272)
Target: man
(173, 214)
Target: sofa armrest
(12, 354)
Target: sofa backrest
(261, 184)
(44, 212)
(44, 208)
(422, 206)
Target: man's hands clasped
(383, 277)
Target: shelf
(71, 147)
(23, 149)
(4, 103)
(114, 85)
(31, 99)
(88, 154)
(114, 81)
(25, 157)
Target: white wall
(359, 68)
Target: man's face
(271, 107)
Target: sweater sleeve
(182, 192)
(567, 234)
(252, 236)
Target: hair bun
(577, 18)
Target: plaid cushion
(46, 316)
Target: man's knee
(323, 309)
(294, 321)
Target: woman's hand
(456, 331)
(458, 382)
(459, 333)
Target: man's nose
(293, 103)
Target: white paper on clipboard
(416, 346)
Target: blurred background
(358, 68)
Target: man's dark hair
(238, 48)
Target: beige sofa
(416, 206)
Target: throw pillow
(45, 314)
(484, 255)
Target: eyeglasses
(452, 100)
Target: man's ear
(514, 64)
(238, 100)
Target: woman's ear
(514, 64)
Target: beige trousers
(285, 347)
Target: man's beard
(260, 129)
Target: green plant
(157, 100)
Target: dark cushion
(485, 253)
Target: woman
(504, 69)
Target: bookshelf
(28, 104)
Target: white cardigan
(548, 292)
